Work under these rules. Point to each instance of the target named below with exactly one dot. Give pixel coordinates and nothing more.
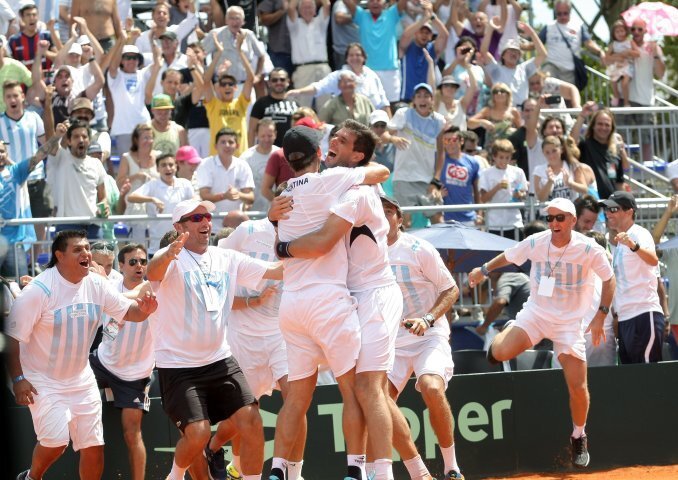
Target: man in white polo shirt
(561, 291)
(51, 327)
(636, 266)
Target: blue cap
(425, 86)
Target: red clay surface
(669, 472)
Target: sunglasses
(278, 80)
(196, 218)
(102, 246)
(614, 209)
(133, 261)
(499, 92)
(130, 57)
(558, 218)
(637, 29)
(226, 84)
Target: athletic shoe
(580, 452)
(232, 473)
(452, 475)
(216, 465)
(23, 475)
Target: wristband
(91, 59)
(282, 250)
(18, 379)
(484, 270)
(436, 183)
(273, 222)
(636, 247)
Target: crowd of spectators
(452, 88)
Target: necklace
(206, 275)
(548, 258)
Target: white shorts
(380, 311)
(76, 414)
(390, 80)
(263, 360)
(319, 324)
(430, 356)
(567, 338)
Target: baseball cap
(425, 86)
(378, 116)
(392, 201)
(84, 40)
(188, 154)
(81, 102)
(449, 80)
(64, 68)
(562, 204)
(168, 35)
(94, 148)
(75, 48)
(621, 199)
(511, 44)
(301, 139)
(307, 122)
(427, 25)
(162, 101)
(187, 206)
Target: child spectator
(620, 70)
(559, 177)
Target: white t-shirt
(509, 217)
(535, 157)
(55, 322)
(127, 94)
(558, 52)
(422, 276)
(187, 334)
(74, 183)
(304, 38)
(126, 348)
(170, 195)
(255, 238)
(641, 88)
(212, 173)
(573, 267)
(257, 162)
(314, 194)
(636, 290)
(366, 243)
(559, 189)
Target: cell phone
(553, 99)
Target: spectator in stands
(511, 291)
(83, 109)
(469, 145)
(519, 137)
(223, 109)
(23, 46)
(161, 195)
(177, 33)
(257, 158)
(453, 110)
(564, 38)
(542, 84)
(503, 183)
(636, 303)
(11, 70)
(500, 118)
(103, 254)
(344, 32)
(513, 10)
(462, 67)
(103, 17)
(272, 15)
(459, 178)
(601, 148)
(168, 136)
(416, 38)
(588, 211)
(170, 81)
(188, 161)
(274, 106)
(534, 135)
(620, 68)
(368, 82)
(8, 20)
(480, 26)
(378, 35)
(669, 257)
(115, 197)
(384, 152)
(559, 177)
(168, 56)
(77, 181)
(417, 167)
(127, 82)
(649, 65)
(309, 57)
(349, 104)
(224, 179)
(277, 172)
(307, 117)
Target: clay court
(669, 472)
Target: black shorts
(40, 196)
(126, 393)
(641, 338)
(212, 392)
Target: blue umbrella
(669, 244)
(471, 247)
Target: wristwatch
(429, 319)
(604, 309)
(636, 247)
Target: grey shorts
(409, 193)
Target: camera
(553, 99)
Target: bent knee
(198, 432)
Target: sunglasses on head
(196, 218)
(133, 261)
(558, 218)
(102, 247)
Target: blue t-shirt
(378, 37)
(14, 202)
(458, 176)
(414, 68)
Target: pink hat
(307, 122)
(188, 154)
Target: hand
(25, 280)
(74, 31)
(520, 195)
(129, 24)
(240, 39)
(267, 293)
(293, 93)
(416, 326)
(427, 8)
(125, 187)
(94, 267)
(23, 392)
(225, 65)
(551, 176)
(673, 204)
(50, 24)
(280, 207)
(566, 178)
(147, 303)
(159, 205)
(481, 329)
(81, 23)
(87, 53)
(134, 34)
(49, 93)
(596, 328)
(106, 213)
(505, 183)
(427, 56)
(475, 278)
(400, 142)
(624, 239)
(588, 108)
(232, 193)
(524, 28)
(175, 247)
(43, 46)
(493, 24)
(217, 44)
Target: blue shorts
(641, 338)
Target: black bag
(581, 76)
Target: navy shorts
(641, 338)
(126, 393)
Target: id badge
(211, 297)
(546, 286)
(111, 330)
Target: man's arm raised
(159, 264)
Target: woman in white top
(448, 106)
(559, 178)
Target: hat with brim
(450, 80)
(386, 199)
(378, 116)
(169, 35)
(133, 49)
(82, 103)
(511, 44)
(76, 49)
(301, 140)
(562, 204)
(188, 206)
(162, 101)
(94, 148)
(425, 86)
(620, 199)
(188, 154)
(427, 25)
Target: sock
(251, 477)
(177, 472)
(450, 458)
(278, 467)
(383, 467)
(356, 467)
(294, 470)
(369, 468)
(416, 468)
(236, 462)
(578, 431)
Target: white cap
(562, 204)
(187, 206)
(84, 40)
(75, 48)
(130, 49)
(378, 116)
(511, 44)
